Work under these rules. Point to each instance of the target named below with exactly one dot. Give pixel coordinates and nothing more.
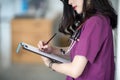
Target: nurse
(92, 56)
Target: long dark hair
(71, 18)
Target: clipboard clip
(21, 45)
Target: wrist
(50, 64)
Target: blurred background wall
(28, 20)
(22, 9)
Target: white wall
(118, 47)
(55, 7)
(5, 44)
(8, 10)
(115, 4)
(7, 13)
(0, 33)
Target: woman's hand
(45, 48)
(46, 61)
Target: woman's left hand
(46, 60)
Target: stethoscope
(74, 38)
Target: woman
(92, 56)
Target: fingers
(41, 46)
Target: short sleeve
(91, 38)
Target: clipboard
(33, 49)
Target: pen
(49, 39)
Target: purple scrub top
(96, 44)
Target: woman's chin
(79, 12)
